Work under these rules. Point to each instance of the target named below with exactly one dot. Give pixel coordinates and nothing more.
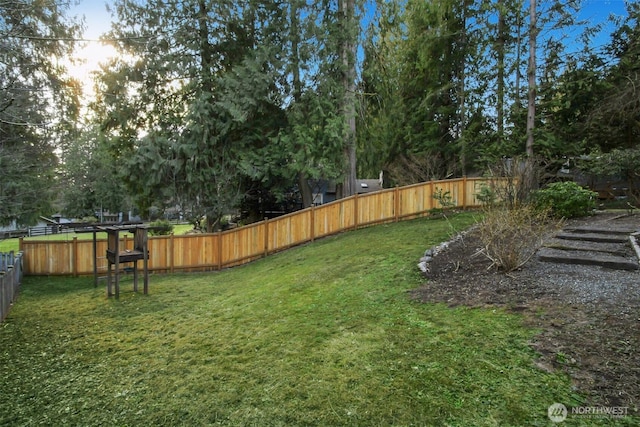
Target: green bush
(566, 199)
(161, 227)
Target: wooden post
(464, 192)
(75, 256)
(396, 203)
(135, 276)
(108, 278)
(220, 250)
(170, 255)
(145, 258)
(117, 262)
(355, 211)
(266, 237)
(312, 222)
(431, 199)
(95, 259)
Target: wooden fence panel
(375, 208)
(415, 199)
(11, 272)
(196, 252)
(160, 253)
(83, 251)
(474, 185)
(289, 230)
(244, 244)
(48, 257)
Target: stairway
(602, 244)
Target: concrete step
(586, 246)
(594, 237)
(587, 258)
(600, 230)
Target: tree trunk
(305, 190)
(206, 54)
(463, 113)
(518, 104)
(348, 53)
(500, 54)
(531, 74)
(529, 179)
(294, 18)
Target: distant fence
(10, 279)
(214, 251)
(44, 230)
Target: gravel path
(589, 316)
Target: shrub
(161, 227)
(487, 195)
(89, 219)
(566, 199)
(511, 236)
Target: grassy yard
(323, 334)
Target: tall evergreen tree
(197, 94)
(38, 104)
(615, 122)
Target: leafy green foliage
(161, 227)
(38, 105)
(91, 178)
(243, 102)
(566, 199)
(618, 164)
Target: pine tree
(38, 105)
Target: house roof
(368, 185)
(362, 186)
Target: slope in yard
(324, 334)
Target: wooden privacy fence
(10, 279)
(214, 251)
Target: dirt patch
(589, 317)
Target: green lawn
(323, 334)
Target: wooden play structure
(117, 256)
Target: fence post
(312, 222)
(355, 211)
(396, 203)
(220, 250)
(431, 199)
(170, 254)
(464, 192)
(75, 256)
(94, 245)
(266, 236)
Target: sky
(97, 22)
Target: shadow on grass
(52, 285)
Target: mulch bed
(589, 317)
